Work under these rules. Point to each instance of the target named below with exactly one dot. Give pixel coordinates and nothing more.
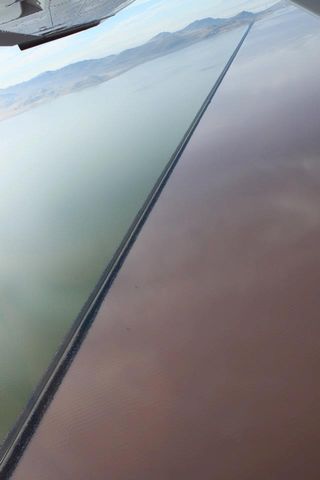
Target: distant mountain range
(87, 73)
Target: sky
(131, 27)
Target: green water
(74, 173)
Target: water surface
(74, 174)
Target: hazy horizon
(142, 20)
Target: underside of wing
(28, 23)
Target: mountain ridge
(86, 73)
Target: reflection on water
(74, 173)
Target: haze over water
(74, 174)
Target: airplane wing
(28, 23)
(312, 5)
